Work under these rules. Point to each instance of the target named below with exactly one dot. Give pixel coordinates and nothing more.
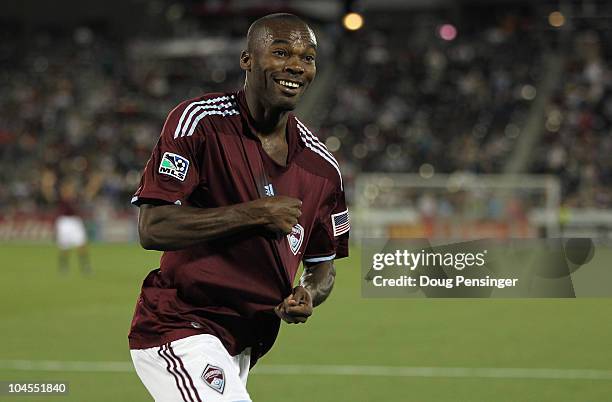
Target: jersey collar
(291, 132)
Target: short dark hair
(253, 34)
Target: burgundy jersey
(208, 156)
(67, 207)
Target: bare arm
(316, 284)
(319, 280)
(174, 227)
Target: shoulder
(185, 118)
(316, 157)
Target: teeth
(289, 84)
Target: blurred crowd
(424, 96)
(576, 144)
(78, 109)
(420, 98)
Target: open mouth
(289, 84)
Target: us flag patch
(341, 222)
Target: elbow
(146, 240)
(148, 244)
(146, 236)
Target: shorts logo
(174, 165)
(214, 377)
(295, 238)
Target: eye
(309, 59)
(280, 52)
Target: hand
(296, 308)
(280, 213)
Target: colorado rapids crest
(295, 238)
(214, 377)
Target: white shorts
(193, 369)
(70, 232)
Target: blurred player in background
(236, 193)
(70, 230)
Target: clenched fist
(279, 214)
(296, 308)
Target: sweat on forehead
(279, 26)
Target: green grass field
(45, 316)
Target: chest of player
(236, 169)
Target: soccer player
(237, 193)
(70, 230)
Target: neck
(266, 119)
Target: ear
(245, 60)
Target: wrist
(250, 214)
(307, 289)
(303, 286)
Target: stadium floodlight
(447, 32)
(352, 21)
(556, 19)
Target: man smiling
(237, 193)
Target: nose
(293, 66)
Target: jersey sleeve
(172, 172)
(330, 235)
